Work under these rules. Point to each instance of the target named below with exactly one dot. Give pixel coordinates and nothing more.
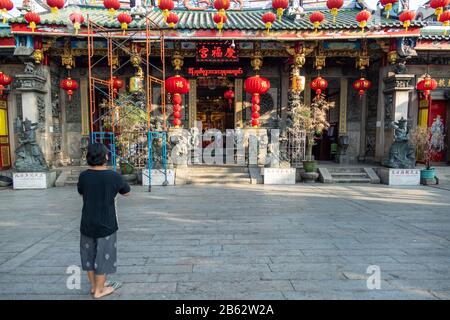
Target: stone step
(341, 174)
(351, 180)
(219, 181)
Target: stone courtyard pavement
(238, 242)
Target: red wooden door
(5, 155)
(437, 115)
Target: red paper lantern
(362, 17)
(33, 19)
(69, 85)
(334, 6)
(77, 19)
(388, 4)
(318, 85)
(221, 6)
(445, 19)
(256, 86)
(219, 20)
(124, 19)
(55, 5)
(172, 19)
(111, 5)
(406, 17)
(316, 19)
(166, 6)
(229, 95)
(280, 6)
(5, 80)
(427, 85)
(438, 6)
(117, 84)
(268, 18)
(177, 85)
(361, 85)
(5, 6)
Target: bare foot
(106, 291)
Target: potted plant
(421, 137)
(311, 119)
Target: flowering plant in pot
(312, 119)
(422, 138)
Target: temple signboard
(216, 51)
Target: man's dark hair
(96, 154)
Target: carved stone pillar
(192, 116)
(396, 103)
(238, 101)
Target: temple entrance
(213, 110)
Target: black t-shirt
(99, 189)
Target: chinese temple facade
(216, 57)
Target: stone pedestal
(399, 177)
(158, 178)
(279, 175)
(33, 180)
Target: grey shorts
(99, 255)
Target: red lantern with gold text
(334, 6)
(229, 95)
(219, 20)
(69, 85)
(33, 19)
(5, 6)
(77, 19)
(427, 85)
(445, 19)
(318, 85)
(55, 5)
(362, 17)
(361, 85)
(439, 6)
(222, 6)
(280, 6)
(112, 6)
(124, 19)
(388, 4)
(117, 84)
(166, 6)
(316, 19)
(268, 18)
(256, 86)
(5, 80)
(177, 85)
(172, 19)
(406, 17)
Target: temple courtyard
(237, 242)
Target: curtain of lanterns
(5, 6)
(256, 86)
(5, 80)
(334, 6)
(177, 85)
(387, 5)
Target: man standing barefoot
(99, 187)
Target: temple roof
(247, 19)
